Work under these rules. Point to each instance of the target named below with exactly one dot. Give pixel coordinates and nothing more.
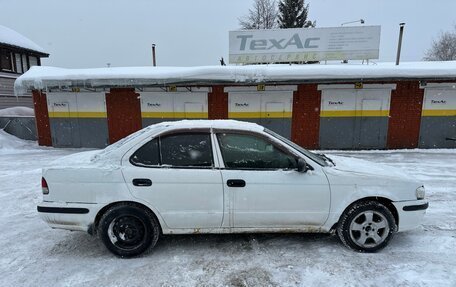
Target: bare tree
(263, 15)
(444, 48)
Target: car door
(265, 189)
(175, 173)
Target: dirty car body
(224, 176)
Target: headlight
(420, 192)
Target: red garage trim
(217, 103)
(124, 113)
(305, 127)
(405, 115)
(43, 127)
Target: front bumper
(410, 213)
(70, 216)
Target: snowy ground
(34, 255)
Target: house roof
(12, 38)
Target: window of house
(6, 60)
(33, 61)
(242, 151)
(24, 64)
(18, 63)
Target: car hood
(364, 178)
(361, 167)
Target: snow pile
(17, 112)
(10, 144)
(13, 38)
(46, 77)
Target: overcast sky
(91, 33)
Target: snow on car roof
(219, 124)
(45, 77)
(13, 38)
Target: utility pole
(154, 62)
(399, 44)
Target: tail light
(44, 186)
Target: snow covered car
(224, 176)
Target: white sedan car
(224, 176)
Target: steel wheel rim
(369, 229)
(127, 232)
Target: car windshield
(320, 159)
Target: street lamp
(351, 22)
(361, 21)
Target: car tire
(366, 226)
(128, 230)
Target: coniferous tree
(293, 14)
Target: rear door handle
(235, 183)
(142, 182)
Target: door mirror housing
(302, 165)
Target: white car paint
(199, 201)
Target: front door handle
(142, 182)
(235, 183)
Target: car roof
(215, 124)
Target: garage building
(379, 106)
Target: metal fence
(21, 127)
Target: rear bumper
(410, 213)
(70, 216)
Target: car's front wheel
(366, 226)
(128, 230)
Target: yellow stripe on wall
(172, 115)
(438, 113)
(331, 114)
(257, 115)
(77, 114)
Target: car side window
(186, 150)
(176, 150)
(147, 155)
(243, 151)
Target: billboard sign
(304, 44)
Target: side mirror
(302, 165)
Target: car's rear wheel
(366, 226)
(128, 230)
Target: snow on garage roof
(51, 77)
(13, 38)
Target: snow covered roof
(51, 77)
(13, 38)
